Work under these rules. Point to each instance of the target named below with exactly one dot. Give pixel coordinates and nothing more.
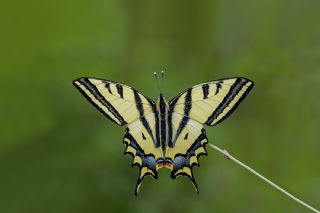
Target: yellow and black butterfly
(166, 134)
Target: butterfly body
(165, 133)
(162, 113)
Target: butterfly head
(162, 104)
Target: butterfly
(165, 133)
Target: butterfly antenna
(156, 77)
(162, 75)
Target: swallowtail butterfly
(165, 133)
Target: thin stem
(227, 155)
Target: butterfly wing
(126, 106)
(208, 103)
(189, 145)
(139, 144)
(120, 103)
(214, 101)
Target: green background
(58, 154)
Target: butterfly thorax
(162, 109)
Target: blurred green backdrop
(58, 154)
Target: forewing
(212, 102)
(120, 103)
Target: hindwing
(189, 144)
(140, 145)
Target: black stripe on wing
(143, 120)
(233, 92)
(97, 95)
(170, 125)
(119, 90)
(205, 90)
(185, 119)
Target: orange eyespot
(160, 164)
(169, 165)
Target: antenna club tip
(155, 73)
(162, 71)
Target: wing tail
(142, 157)
(182, 164)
